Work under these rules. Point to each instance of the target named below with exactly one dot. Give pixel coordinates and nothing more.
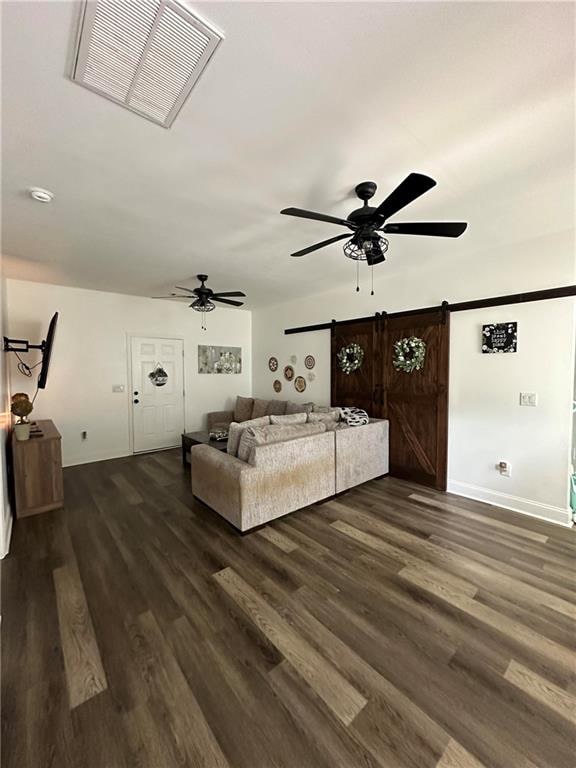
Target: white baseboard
(546, 512)
(7, 535)
(90, 460)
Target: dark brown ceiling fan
(205, 297)
(368, 222)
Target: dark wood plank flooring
(394, 627)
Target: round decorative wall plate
(300, 383)
(273, 364)
(288, 373)
(277, 385)
(309, 362)
(311, 376)
(293, 359)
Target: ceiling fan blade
(172, 296)
(183, 288)
(432, 229)
(227, 301)
(311, 248)
(301, 213)
(228, 293)
(414, 185)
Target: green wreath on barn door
(409, 354)
(350, 357)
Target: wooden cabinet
(37, 463)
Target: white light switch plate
(529, 398)
(118, 388)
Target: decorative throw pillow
(276, 407)
(243, 409)
(354, 417)
(235, 431)
(278, 433)
(325, 418)
(292, 418)
(260, 408)
(299, 407)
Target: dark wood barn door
(359, 388)
(416, 403)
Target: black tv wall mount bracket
(21, 345)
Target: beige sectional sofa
(281, 477)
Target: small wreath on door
(158, 376)
(350, 358)
(409, 354)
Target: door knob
(136, 401)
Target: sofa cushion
(299, 407)
(243, 408)
(276, 407)
(335, 426)
(315, 418)
(292, 418)
(260, 408)
(325, 409)
(235, 432)
(277, 433)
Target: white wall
(5, 424)
(486, 422)
(90, 356)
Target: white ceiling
(301, 102)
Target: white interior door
(157, 399)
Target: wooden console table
(37, 466)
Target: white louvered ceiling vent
(143, 54)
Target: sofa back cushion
(299, 407)
(330, 416)
(276, 407)
(277, 433)
(235, 432)
(260, 408)
(325, 409)
(292, 418)
(243, 408)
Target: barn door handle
(136, 401)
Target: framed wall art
(219, 359)
(499, 337)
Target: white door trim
(133, 335)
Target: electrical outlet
(84, 435)
(529, 398)
(505, 468)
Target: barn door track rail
(460, 306)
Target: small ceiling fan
(204, 297)
(367, 222)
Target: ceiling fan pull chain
(357, 275)
(372, 270)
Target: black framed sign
(499, 337)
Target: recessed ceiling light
(41, 195)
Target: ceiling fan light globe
(203, 306)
